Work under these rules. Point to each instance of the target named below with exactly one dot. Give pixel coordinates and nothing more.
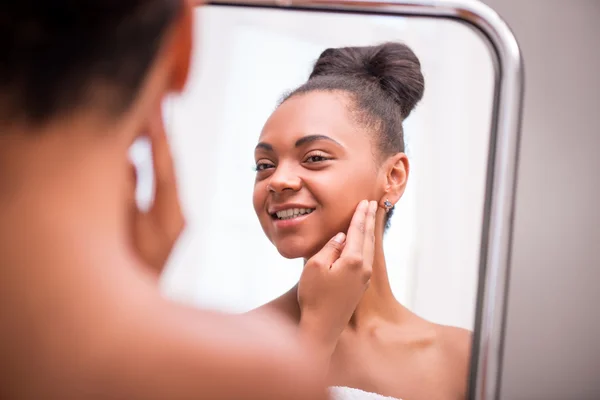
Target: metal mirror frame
(498, 214)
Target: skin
(384, 347)
(80, 309)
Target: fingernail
(340, 238)
(364, 203)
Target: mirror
(245, 60)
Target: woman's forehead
(315, 113)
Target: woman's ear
(180, 47)
(397, 169)
(170, 71)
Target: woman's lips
(290, 221)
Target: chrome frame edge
(496, 245)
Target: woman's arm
(101, 330)
(187, 353)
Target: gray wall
(552, 348)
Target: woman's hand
(156, 231)
(335, 279)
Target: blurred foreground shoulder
(288, 367)
(251, 356)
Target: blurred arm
(105, 333)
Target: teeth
(293, 213)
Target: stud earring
(388, 205)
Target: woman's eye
(316, 158)
(263, 166)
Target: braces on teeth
(293, 213)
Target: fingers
(133, 179)
(330, 252)
(369, 236)
(359, 249)
(166, 206)
(164, 171)
(132, 192)
(356, 232)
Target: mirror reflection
(289, 120)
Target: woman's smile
(289, 215)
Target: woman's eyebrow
(312, 138)
(300, 142)
(263, 146)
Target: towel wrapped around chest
(346, 393)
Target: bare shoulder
(432, 353)
(285, 305)
(455, 343)
(455, 354)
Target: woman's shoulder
(446, 345)
(454, 353)
(456, 341)
(423, 351)
(450, 351)
(285, 305)
(442, 341)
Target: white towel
(346, 393)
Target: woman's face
(315, 163)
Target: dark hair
(59, 55)
(385, 82)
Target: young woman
(332, 142)
(81, 315)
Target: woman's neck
(70, 174)
(378, 302)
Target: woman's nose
(284, 178)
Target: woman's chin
(294, 247)
(291, 252)
(298, 246)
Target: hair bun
(393, 66)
